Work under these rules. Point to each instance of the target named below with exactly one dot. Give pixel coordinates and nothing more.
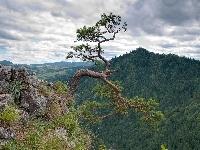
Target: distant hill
(6, 63)
(54, 64)
(64, 64)
(52, 71)
(171, 80)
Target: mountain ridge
(171, 80)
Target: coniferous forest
(172, 81)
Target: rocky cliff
(26, 101)
(19, 87)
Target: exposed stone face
(32, 80)
(3, 85)
(24, 115)
(5, 135)
(31, 102)
(5, 99)
(30, 99)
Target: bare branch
(77, 77)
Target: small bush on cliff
(62, 132)
(15, 89)
(44, 90)
(60, 87)
(9, 115)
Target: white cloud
(43, 31)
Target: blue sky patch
(2, 51)
(35, 40)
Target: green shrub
(44, 135)
(163, 147)
(61, 87)
(44, 90)
(9, 115)
(53, 110)
(15, 89)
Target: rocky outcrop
(30, 101)
(34, 114)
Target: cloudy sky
(38, 31)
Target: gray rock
(6, 133)
(5, 73)
(3, 85)
(5, 136)
(24, 116)
(5, 99)
(32, 80)
(33, 102)
(19, 74)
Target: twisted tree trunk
(100, 75)
(77, 77)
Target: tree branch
(100, 75)
(77, 77)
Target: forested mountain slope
(171, 80)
